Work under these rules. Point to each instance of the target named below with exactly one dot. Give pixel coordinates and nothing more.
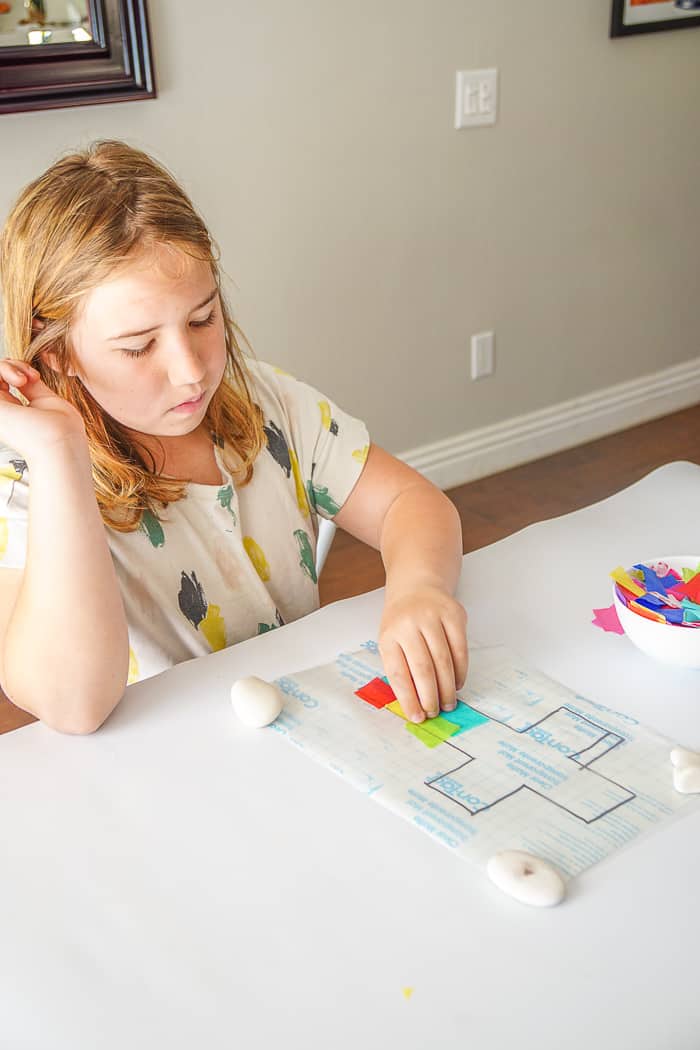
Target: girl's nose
(185, 366)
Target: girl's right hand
(48, 421)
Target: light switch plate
(476, 101)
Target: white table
(176, 880)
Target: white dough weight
(681, 757)
(255, 701)
(686, 779)
(527, 879)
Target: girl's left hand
(423, 645)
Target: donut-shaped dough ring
(680, 756)
(686, 779)
(526, 878)
(686, 771)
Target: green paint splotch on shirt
(153, 528)
(321, 499)
(224, 497)
(307, 558)
(263, 628)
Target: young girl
(160, 490)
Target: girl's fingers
(413, 679)
(27, 382)
(17, 372)
(444, 669)
(13, 376)
(456, 634)
(401, 682)
(7, 397)
(26, 378)
(420, 662)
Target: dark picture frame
(115, 66)
(619, 28)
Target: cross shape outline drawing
(479, 784)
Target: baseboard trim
(487, 450)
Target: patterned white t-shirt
(224, 563)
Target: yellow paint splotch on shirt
(133, 667)
(257, 556)
(302, 499)
(214, 629)
(325, 414)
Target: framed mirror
(647, 16)
(56, 53)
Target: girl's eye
(206, 321)
(140, 352)
(195, 324)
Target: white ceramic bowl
(670, 643)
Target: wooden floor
(499, 505)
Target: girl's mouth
(190, 406)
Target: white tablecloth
(176, 880)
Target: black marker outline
(430, 782)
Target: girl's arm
(65, 653)
(422, 638)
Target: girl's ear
(51, 359)
(50, 356)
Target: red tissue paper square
(377, 693)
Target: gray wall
(366, 239)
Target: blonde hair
(69, 229)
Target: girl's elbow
(81, 719)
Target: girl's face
(149, 342)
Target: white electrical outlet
(477, 97)
(482, 355)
